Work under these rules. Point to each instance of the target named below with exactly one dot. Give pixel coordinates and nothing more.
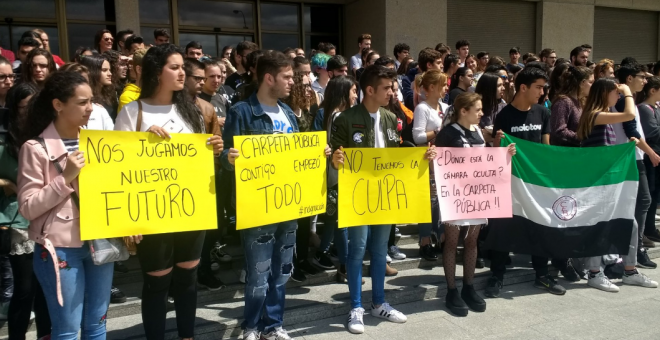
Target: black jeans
(27, 291)
(302, 238)
(653, 178)
(498, 264)
(643, 202)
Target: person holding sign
(426, 126)
(47, 196)
(368, 125)
(269, 248)
(463, 132)
(170, 258)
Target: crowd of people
(125, 83)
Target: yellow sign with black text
(137, 183)
(279, 177)
(384, 186)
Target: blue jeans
(85, 292)
(425, 229)
(340, 235)
(269, 262)
(378, 250)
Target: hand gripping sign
(137, 183)
(384, 186)
(473, 183)
(279, 177)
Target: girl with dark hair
(170, 258)
(27, 290)
(491, 88)
(340, 95)
(569, 96)
(460, 82)
(596, 129)
(38, 65)
(463, 132)
(119, 67)
(82, 52)
(555, 80)
(404, 116)
(649, 115)
(48, 168)
(100, 80)
(103, 40)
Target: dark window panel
(154, 11)
(277, 17)
(38, 9)
(312, 41)
(82, 35)
(17, 32)
(216, 14)
(208, 42)
(97, 10)
(276, 41)
(322, 19)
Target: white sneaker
(600, 281)
(277, 334)
(395, 253)
(639, 279)
(657, 217)
(356, 321)
(388, 259)
(385, 311)
(242, 278)
(250, 334)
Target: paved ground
(523, 312)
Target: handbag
(104, 250)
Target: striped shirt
(71, 145)
(601, 135)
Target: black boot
(472, 299)
(455, 304)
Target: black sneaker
(322, 260)
(120, 267)
(493, 287)
(209, 281)
(550, 284)
(426, 252)
(643, 260)
(455, 304)
(653, 235)
(569, 273)
(472, 299)
(297, 275)
(480, 263)
(116, 295)
(307, 267)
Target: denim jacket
(248, 118)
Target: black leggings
(27, 291)
(452, 233)
(302, 238)
(163, 251)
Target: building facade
(615, 28)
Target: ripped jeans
(269, 262)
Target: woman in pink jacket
(77, 291)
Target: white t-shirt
(99, 119)
(378, 131)
(426, 119)
(622, 138)
(281, 123)
(158, 115)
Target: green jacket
(354, 128)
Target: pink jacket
(43, 197)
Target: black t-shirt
(234, 80)
(528, 125)
(450, 137)
(218, 101)
(453, 94)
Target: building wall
(127, 13)
(418, 23)
(562, 26)
(364, 16)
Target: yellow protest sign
(138, 183)
(384, 186)
(279, 177)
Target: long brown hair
(26, 71)
(465, 100)
(597, 101)
(569, 83)
(297, 98)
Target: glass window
(216, 14)
(42, 9)
(232, 40)
(314, 40)
(53, 39)
(97, 10)
(4, 38)
(209, 45)
(276, 17)
(154, 11)
(275, 41)
(322, 19)
(82, 35)
(147, 33)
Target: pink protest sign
(473, 183)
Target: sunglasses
(108, 39)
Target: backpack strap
(138, 125)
